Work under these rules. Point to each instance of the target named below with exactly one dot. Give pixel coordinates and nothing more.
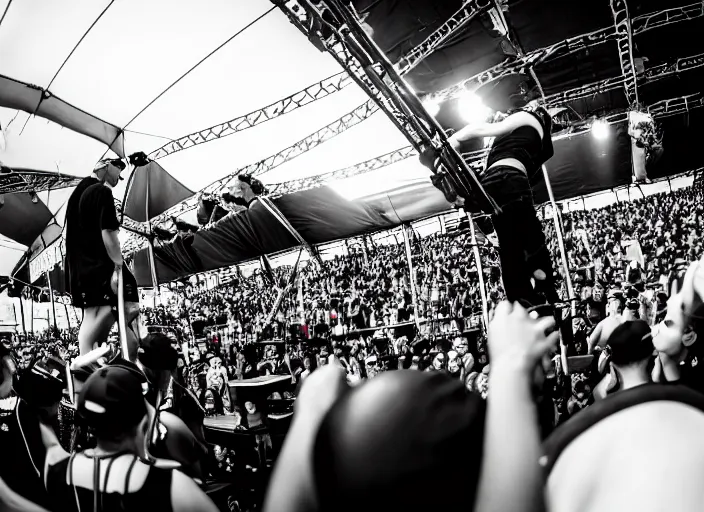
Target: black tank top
(525, 143)
(22, 452)
(153, 496)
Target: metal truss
(469, 10)
(333, 27)
(651, 75)
(674, 68)
(17, 181)
(584, 91)
(364, 111)
(674, 106)
(286, 105)
(530, 59)
(326, 133)
(624, 43)
(289, 187)
(639, 25)
(645, 22)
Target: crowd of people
(357, 314)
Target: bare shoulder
(186, 496)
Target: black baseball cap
(399, 442)
(112, 399)
(631, 342)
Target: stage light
(432, 106)
(600, 129)
(472, 108)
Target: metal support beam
(469, 10)
(273, 210)
(364, 111)
(639, 25)
(624, 43)
(610, 84)
(312, 93)
(51, 297)
(288, 187)
(333, 26)
(561, 244)
(674, 68)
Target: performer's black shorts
(101, 294)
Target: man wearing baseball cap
(631, 351)
(94, 258)
(112, 476)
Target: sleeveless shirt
(153, 496)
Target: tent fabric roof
(320, 215)
(30, 98)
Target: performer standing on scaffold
(94, 258)
(521, 146)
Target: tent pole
(24, 326)
(150, 249)
(669, 184)
(51, 297)
(411, 273)
(561, 243)
(68, 318)
(276, 213)
(480, 271)
(31, 325)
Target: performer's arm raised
(476, 130)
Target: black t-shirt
(89, 211)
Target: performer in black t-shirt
(521, 146)
(94, 258)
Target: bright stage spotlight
(472, 108)
(432, 106)
(600, 129)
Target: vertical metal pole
(68, 318)
(561, 243)
(51, 297)
(24, 327)
(150, 248)
(31, 325)
(669, 184)
(414, 293)
(480, 270)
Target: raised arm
(510, 477)
(477, 130)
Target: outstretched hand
(519, 340)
